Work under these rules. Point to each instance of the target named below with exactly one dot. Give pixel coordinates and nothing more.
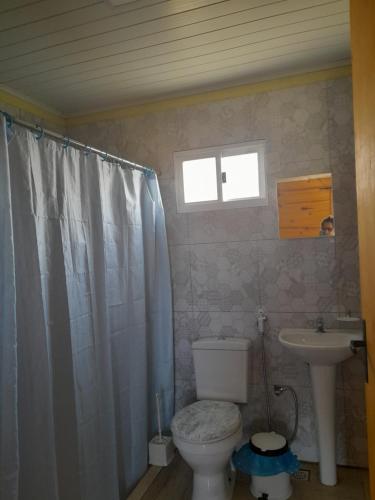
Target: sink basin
(322, 349)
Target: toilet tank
(221, 368)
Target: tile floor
(175, 483)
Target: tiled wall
(227, 263)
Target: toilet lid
(206, 421)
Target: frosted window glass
(200, 182)
(241, 176)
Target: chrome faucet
(320, 325)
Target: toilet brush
(160, 448)
(158, 416)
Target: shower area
(85, 318)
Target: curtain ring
(40, 133)
(105, 157)
(87, 150)
(8, 119)
(66, 143)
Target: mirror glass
(306, 207)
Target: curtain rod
(66, 141)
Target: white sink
(328, 348)
(322, 351)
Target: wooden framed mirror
(306, 207)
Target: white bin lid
(268, 441)
(219, 343)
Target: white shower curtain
(85, 322)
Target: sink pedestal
(323, 351)
(323, 384)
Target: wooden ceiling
(84, 55)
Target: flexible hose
(294, 433)
(280, 389)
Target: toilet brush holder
(161, 450)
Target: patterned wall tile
(298, 275)
(225, 324)
(353, 432)
(303, 123)
(264, 119)
(299, 168)
(184, 393)
(177, 224)
(340, 117)
(348, 289)
(344, 197)
(225, 276)
(217, 123)
(254, 413)
(353, 373)
(342, 452)
(283, 418)
(181, 277)
(186, 325)
(184, 360)
(184, 333)
(241, 224)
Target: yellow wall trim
(176, 102)
(25, 105)
(214, 95)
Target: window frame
(217, 152)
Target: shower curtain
(85, 321)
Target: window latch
(223, 177)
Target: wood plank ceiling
(83, 55)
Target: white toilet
(206, 432)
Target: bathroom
(215, 273)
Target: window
(223, 177)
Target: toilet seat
(206, 422)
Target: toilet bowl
(206, 434)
